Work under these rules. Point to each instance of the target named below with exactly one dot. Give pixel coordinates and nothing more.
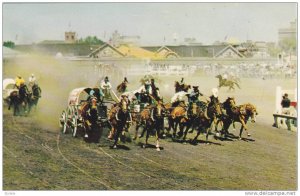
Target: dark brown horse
(89, 114)
(120, 119)
(121, 88)
(181, 87)
(20, 99)
(227, 82)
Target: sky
(155, 23)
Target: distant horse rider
(225, 76)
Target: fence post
(278, 99)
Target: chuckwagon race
(130, 110)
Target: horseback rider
(178, 99)
(31, 81)
(225, 76)
(181, 84)
(105, 87)
(144, 92)
(214, 97)
(18, 81)
(182, 81)
(125, 81)
(155, 90)
(194, 95)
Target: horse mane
(250, 105)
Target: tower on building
(70, 37)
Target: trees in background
(91, 40)
(9, 44)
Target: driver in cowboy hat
(214, 97)
(194, 95)
(19, 81)
(105, 87)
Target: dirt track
(36, 156)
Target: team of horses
(23, 100)
(201, 116)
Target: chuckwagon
(83, 111)
(8, 88)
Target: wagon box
(73, 117)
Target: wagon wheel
(74, 122)
(74, 125)
(63, 122)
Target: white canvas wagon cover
(8, 83)
(78, 94)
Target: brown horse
(189, 122)
(227, 82)
(181, 87)
(214, 112)
(197, 118)
(178, 115)
(120, 119)
(240, 113)
(89, 114)
(152, 118)
(20, 100)
(203, 124)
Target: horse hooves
(158, 149)
(115, 147)
(240, 138)
(144, 146)
(86, 136)
(249, 135)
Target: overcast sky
(207, 22)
